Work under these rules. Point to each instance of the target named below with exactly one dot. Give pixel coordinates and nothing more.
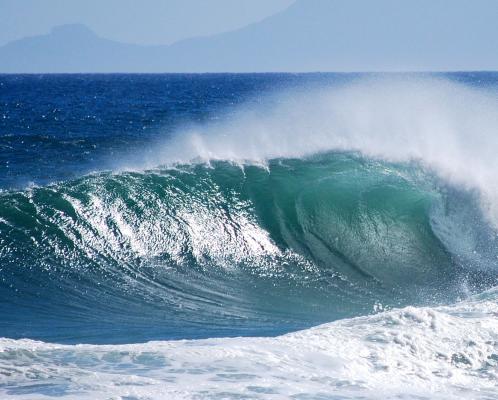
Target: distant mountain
(71, 48)
(311, 35)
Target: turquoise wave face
(236, 250)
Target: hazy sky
(302, 35)
(134, 21)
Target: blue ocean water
(139, 208)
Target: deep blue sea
(306, 236)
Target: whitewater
(327, 240)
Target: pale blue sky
(133, 21)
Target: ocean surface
(249, 236)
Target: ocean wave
(251, 249)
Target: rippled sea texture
(248, 236)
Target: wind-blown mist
(446, 127)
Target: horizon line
(456, 71)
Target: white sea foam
(445, 352)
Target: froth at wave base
(411, 353)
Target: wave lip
(448, 127)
